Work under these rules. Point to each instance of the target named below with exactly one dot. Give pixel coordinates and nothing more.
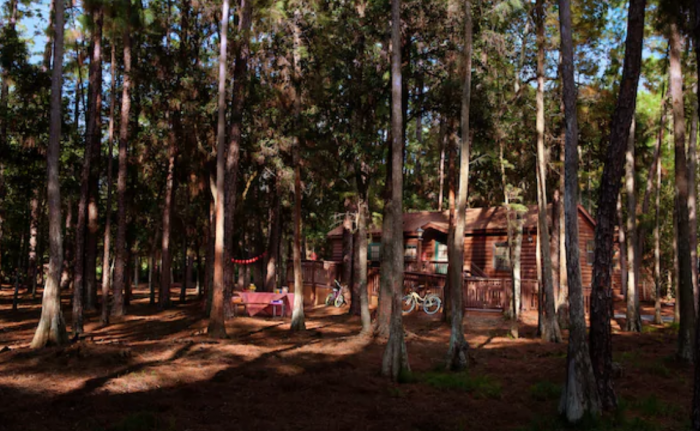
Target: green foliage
(545, 391)
(480, 386)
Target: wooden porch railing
(479, 292)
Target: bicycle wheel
(339, 300)
(329, 299)
(408, 304)
(432, 304)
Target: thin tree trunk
(240, 72)
(550, 325)
(118, 308)
(579, 396)
(622, 244)
(601, 293)
(33, 232)
(361, 266)
(4, 95)
(442, 141)
(217, 327)
(94, 138)
(395, 360)
(166, 257)
(382, 321)
(657, 238)
(52, 328)
(67, 258)
(186, 270)
(695, 407)
(634, 320)
(106, 276)
(298, 320)
(273, 244)
(692, 198)
(685, 273)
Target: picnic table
(262, 303)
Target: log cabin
(485, 244)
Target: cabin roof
(478, 220)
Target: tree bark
(382, 321)
(52, 328)
(395, 360)
(601, 293)
(33, 232)
(695, 407)
(692, 199)
(94, 138)
(634, 320)
(168, 198)
(273, 244)
(622, 244)
(579, 396)
(106, 276)
(118, 308)
(217, 327)
(657, 236)
(685, 274)
(442, 141)
(550, 324)
(360, 253)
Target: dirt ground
(158, 371)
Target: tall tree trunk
(273, 243)
(52, 328)
(217, 327)
(383, 318)
(92, 142)
(442, 142)
(33, 232)
(579, 396)
(563, 298)
(692, 198)
(298, 320)
(169, 195)
(240, 72)
(550, 324)
(118, 308)
(451, 194)
(395, 360)
(685, 273)
(695, 407)
(94, 138)
(657, 239)
(4, 95)
(634, 320)
(622, 244)
(66, 277)
(601, 293)
(106, 276)
(360, 253)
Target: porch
(480, 293)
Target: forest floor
(156, 370)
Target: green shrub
(480, 386)
(545, 391)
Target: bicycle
(431, 302)
(336, 298)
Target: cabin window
(440, 256)
(501, 258)
(410, 252)
(374, 251)
(590, 252)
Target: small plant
(479, 386)
(674, 326)
(659, 369)
(545, 391)
(651, 406)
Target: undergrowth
(480, 386)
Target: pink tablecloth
(259, 302)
